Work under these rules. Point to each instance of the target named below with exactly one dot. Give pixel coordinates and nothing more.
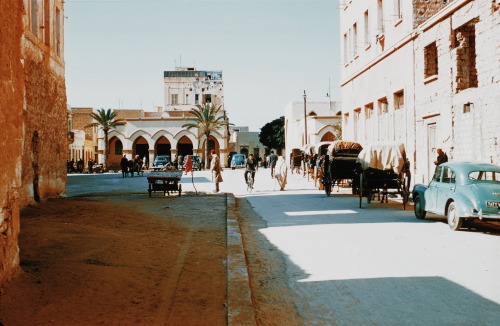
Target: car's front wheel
(418, 208)
(454, 221)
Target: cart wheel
(405, 196)
(361, 190)
(180, 190)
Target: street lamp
(305, 117)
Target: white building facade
(399, 76)
(149, 134)
(321, 119)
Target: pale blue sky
(269, 51)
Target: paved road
(372, 266)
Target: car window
(437, 174)
(448, 175)
(484, 175)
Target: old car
(461, 191)
(160, 161)
(238, 161)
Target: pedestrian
(281, 171)
(79, 166)
(442, 157)
(124, 166)
(90, 165)
(188, 166)
(180, 162)
(272, 163)
(216, 170)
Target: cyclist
(250, 167)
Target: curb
(239, 299)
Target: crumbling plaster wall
(45, 113)
(465, 134)
(425, 9)
(11, 103)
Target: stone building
(149, 134)
(32, 114)
(83, 140)
(244, 141)
(322, 119)
(422, 72)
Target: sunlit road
(377, 265)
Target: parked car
(460, 191)
(238, 161)
(160, 161)
(195, 160)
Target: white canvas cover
(383, 156)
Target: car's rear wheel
(454, 221)
(418, 208)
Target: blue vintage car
(238, 161)
(460, 191)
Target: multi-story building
(321, 120)
(32, 114)
(411, 72)
(83, 138)
(149, 134)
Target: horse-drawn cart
(383, 169)
(341, 165)
(166, 181)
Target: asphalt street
(377, 265)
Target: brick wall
(425, 9)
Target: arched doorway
(140, 147)
(162, 146)
(329, 136)
(115, 152)
(212, 144)
(184, 146)
(36, 167)
(244, 150)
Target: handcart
(166, 181)
(340, 165)
(383, 170)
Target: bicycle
(250, 180)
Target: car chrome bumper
(480, 215)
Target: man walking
(216, 169)
(272, 163)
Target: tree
(105, 119)
(207, 119)
(272, 135)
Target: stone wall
(461, 101)
(11, 103)
(32, 120)
(425, 9)
(44, 160)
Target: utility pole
(305, 117)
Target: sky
(269, 52)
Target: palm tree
(105, 119)
(207, 119)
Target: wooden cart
(383, 169)
(166, 181)
(340, 165)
